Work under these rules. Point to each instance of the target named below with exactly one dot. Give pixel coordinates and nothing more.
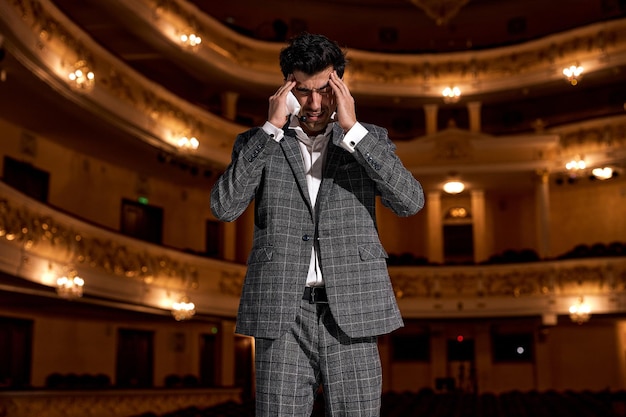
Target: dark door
(15, 352)
(24, 177)
(458, 243)
(142, 221)
(134, 359)
(209, 359)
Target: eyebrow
(300, 88)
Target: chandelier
(580, 312)
(183, 309)
(189, 143)
(70, 286)
(451, 94)
(190, 39)
(575, 164)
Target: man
(317, 292)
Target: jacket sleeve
(236, 187)
(399, 190)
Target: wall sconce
(580, 312)
(183, 309)
(190, 39)
(576, 164)
(451, 94)
(573, 74)
(70, 286)
(190, 143)
(82, 77)
(458, 213)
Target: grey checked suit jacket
(343, 227)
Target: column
(434, 244)
(430, 110)
(543, 215)
(473, 109)
(229, 105)
(478, 221)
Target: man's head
(309, 60)
(311, 54)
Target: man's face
(316, 98)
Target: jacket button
(306, 238)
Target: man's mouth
(313, 116)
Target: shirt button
(306, 238)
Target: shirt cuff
(275, 132)
(353, 137)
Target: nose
(315, 100)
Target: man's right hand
(278, 113)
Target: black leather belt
(315, 295)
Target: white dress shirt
(313, 149)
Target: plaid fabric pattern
(313, 352)
(343, 227)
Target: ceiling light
(453, 187)
(602, 173)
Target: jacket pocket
(372, 251)
(262, 254)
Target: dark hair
(311, 54)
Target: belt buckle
(316, 295)
(312, 298)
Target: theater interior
(119, 288)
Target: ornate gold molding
(44, 35)
(537, 279)
(110, 403)
(63, 244)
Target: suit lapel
(292, 152)
(334, 154)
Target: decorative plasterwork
(46, 42)
(34, 238)
(410, 75)
(63, 244)
(39, 244)
(112, 403)
(593, 276)
(441, 11)
(49, 44)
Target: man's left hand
(346, 113)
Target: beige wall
(587, 212)
(511, 219)
(75, 344)
(566, 357)
(93, 190)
